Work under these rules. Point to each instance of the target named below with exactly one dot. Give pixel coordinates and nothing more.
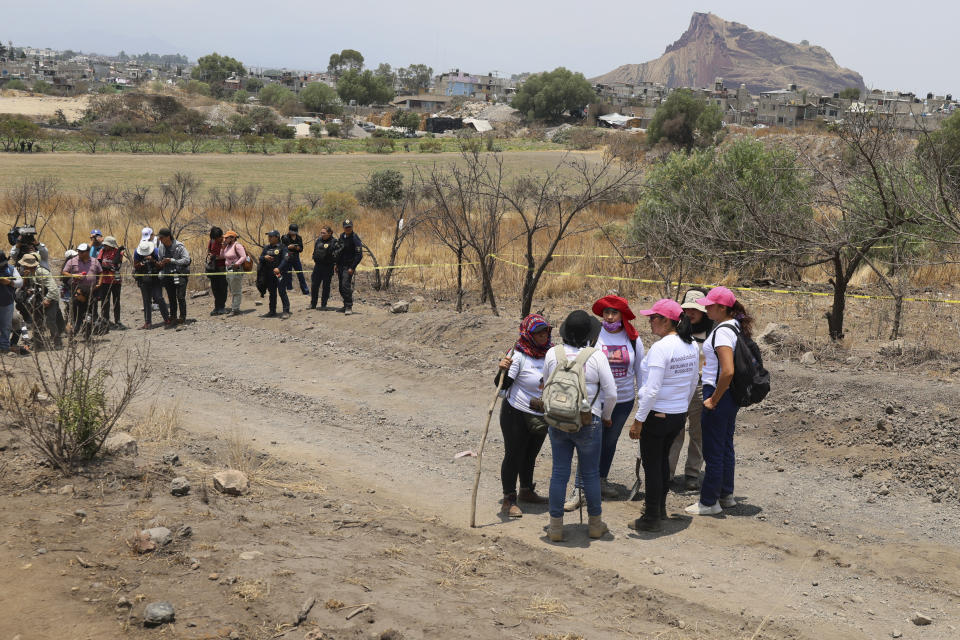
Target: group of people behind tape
(581, 391)
(83, 299)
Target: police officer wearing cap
(351, 253)
(293, 241)
(273, 262)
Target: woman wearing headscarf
(521, 413)
(670, 374)
(601, 394)
(700, 327)
(215, 271)
(620, 343)
(719, 418)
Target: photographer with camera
(111, 257)
(39, 301)
(86, 278)
(24, 240)
(10, 281)
(146, 266)
(174, 273)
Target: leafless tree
(177, 199)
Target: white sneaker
(573, 503)
(699, 509)
(728, 502)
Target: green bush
(17, 84)
(379, 145)
(289, 146)
(333, 129)
(383, 189)
(335, 207)
(196, 87)
(81, 410)
(430, 146)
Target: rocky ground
(346, 429)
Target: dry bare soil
(846, 528)
(42, 106)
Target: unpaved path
(819, 548)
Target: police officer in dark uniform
(325, 252)
(351, 253)
(273, 263)
(293, 241)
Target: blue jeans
(717, 427)
(587, 443)
(609, 439)
(6, 321)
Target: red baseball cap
(665, 307)
(719, 295)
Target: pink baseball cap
(719, 295)
(664, 307)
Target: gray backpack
(565, 399)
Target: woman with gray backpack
(577, 383)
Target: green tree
(214, 69)
(386, 73)
(406, 119)
(850, 93)
(252, 84)
(415, 78)
(274, 94)
(383, 189)
(197, 88)
(346, 60)
(42, 86)
(685, 120)
(16, 129)
(16, 83)
(547, 96)
(320, 98)
(240, 96)
(365, 88)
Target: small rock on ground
(157, 613)
(920, 620)
(179, 486)
(231, 482)
(120, 444)
(159, 535)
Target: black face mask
(704, 326)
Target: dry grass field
(36, 105)
(276, 173)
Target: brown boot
(596, 527)
(555, 532)
(530, 495)
(509, 506)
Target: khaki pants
(695, 448)
(235, 284)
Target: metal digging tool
(483, 441)
(636, 485)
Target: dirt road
(835, 536)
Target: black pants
(46, 326)
(294, 264)
(655, 441)
(218, 286)
(78, 315)
(520, 449)
(346, 287)
(111, 291)
(176, 294)
(275, 286)
(320, 278)
(150, 292)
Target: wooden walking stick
(483, 441)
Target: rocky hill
(713, 48)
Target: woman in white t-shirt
(620, 343)
(521, 414)
(719, 418)
(670, 373)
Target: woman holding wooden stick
(521, 414)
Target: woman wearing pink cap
(719, 418)
(670, 375)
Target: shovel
(483, 441)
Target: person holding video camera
(24, 240)
(39, 300)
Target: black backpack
(751, 382)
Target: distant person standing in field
(215, 271)
(351, 253)
(521, 413)
(670, 374)
(700, 327)
(174, 273)
(293, 241)
(719, 418)
(234, 258)
(325, 254)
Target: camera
(25, 233)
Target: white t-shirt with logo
(722, 338)
(527, 374)
(624, 362)
(670, 374)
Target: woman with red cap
(521, 414)
(719, 418)
(624, 351)
(670, 373)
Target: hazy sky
(912, 47)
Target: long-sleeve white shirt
(601, 387)
(671, 372)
